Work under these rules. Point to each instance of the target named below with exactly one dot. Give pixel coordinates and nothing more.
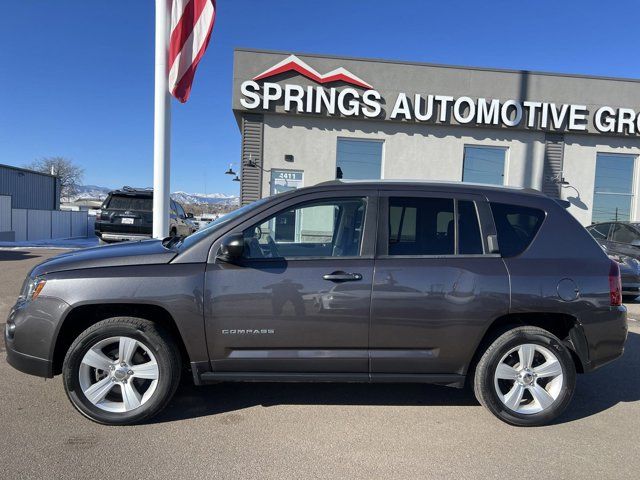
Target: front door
(435, 289)
(299, 300)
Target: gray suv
(453, 284)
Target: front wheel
(526, 377)
(121, 370)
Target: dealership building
(306, 119)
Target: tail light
(615, 285)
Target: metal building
(29, 189)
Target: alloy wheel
(118, 374)
(528, 378)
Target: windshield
(218, 222)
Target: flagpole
(161, 125)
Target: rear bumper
(605, 334)
(121, 237)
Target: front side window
(516, 227)
(359, 159)
(331, 228)
(613, 191)
(484, 165)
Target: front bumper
(40, 367)
(30, 334)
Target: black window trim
(483, 212)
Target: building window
(359, 159)
(484, 165)
(613, 191)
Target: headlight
(31, 289)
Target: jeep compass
(500, 289)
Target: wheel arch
(564, 326)
(83, 316)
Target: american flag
(191, 25)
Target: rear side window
(516, 226)
(421, 226)
(128, 202)
(426, 226)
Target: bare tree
(69, 173)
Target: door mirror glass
(189, 215)
(232, 248)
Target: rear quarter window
(516, 226)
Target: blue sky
(76, 76)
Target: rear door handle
(342, 277)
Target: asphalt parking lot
(316, 430)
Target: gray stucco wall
(433, 150)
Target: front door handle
(342, 277)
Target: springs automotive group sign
(358, 98)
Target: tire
(545, 392)
(148, 388)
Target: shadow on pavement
(15, 255)
(596, 392)
(192, 402)
(608, 386)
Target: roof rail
(127, 188)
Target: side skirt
(452, 380)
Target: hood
(146, 252)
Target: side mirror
(189, 215)
(232, 248)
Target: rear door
(436, 286)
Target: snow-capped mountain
(92, 192)
(199, 198)
(95, 192)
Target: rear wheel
(526, 377)
(121, 370)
